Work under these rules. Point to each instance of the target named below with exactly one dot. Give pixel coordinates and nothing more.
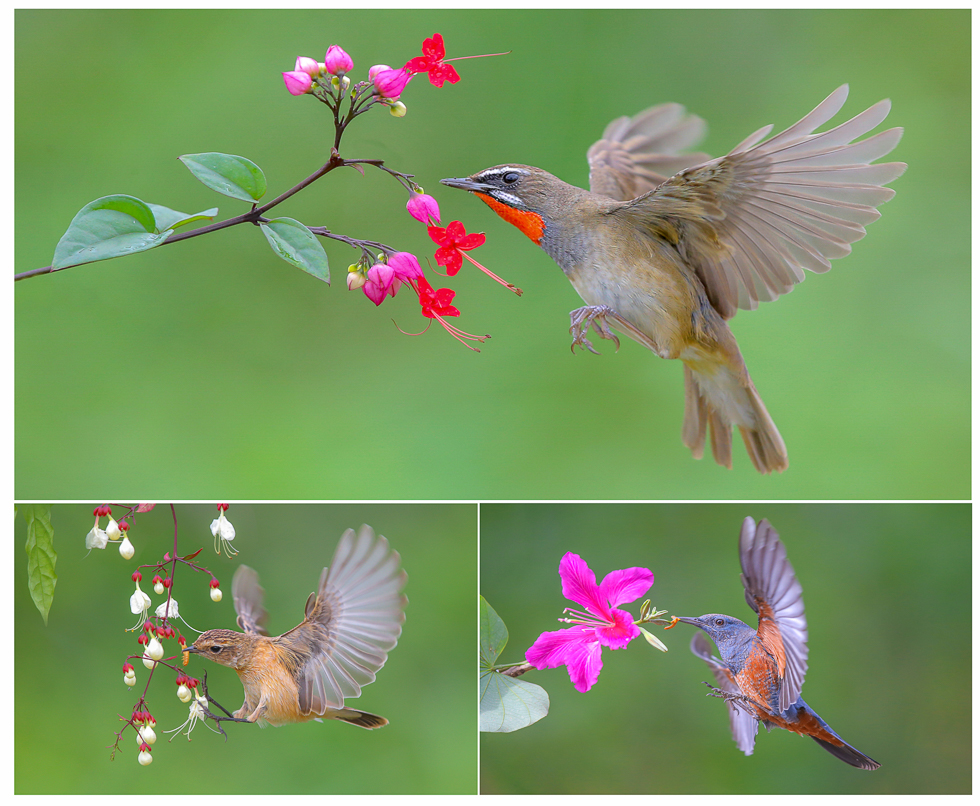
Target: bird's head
(526, 197)
(226, 647)
(725, 631)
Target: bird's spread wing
(744, 725)
(749, 223)
(772, 591)
(352, 623)
(637, 154)
(247, 595)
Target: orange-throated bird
(667, 261)
(352, 622)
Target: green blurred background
(69, 686)
(887, 593)
(226, 370)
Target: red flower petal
(434, 48)
(440, 73)
(471, 241)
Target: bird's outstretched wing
(637, 154)
(772, 591)
(752, 221)
(744, 725)
(247, 595)
(351, 624)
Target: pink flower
(453, 241)
(391, 83)
(307, 65)
(379, 279)
(431, 62)
(422, 207)
(298, 82)
(580, 647)
(337, 62)
(406, 267)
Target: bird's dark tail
(847, 753)
(360, 718)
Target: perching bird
(351, 624)
(761, 672)
(668, 261)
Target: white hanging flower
(162, 610)
(224, 533)
(196, 713)
(97, 538)
(126, 549)
(139, 603)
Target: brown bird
(351, 624)
(667, 261)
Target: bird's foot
(594, 316)
(212, 701)
(733, 698)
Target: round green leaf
(295, 244)
(493, 633)
(108, 227)
(507, 704)
(233, 176)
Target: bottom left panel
(348, 627)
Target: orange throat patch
(531, 224)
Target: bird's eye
(215, 649)
(719, 622)
(511, 177)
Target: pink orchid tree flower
(378, 283)
(602, 625)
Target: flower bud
(298, 82)
(126, 549)
(422, 208)
(146, 734)
(144, 757)
(307, 65)
(355, 279)
(158, 588)
(184, 693)
(398, 109)
(112, 529)
(215, 594)
(391, 83)
(337, 62)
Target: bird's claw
(594, 316)
(733, 698)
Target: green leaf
(295, 244)
(108, 227)
(493, 634)
(171, 219)
(233, 176)
(41, 558)
(507, 704)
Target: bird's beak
(192, 648)
(689, 620)
(465, 183)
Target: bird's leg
(596, 316)
(733, 698)
(211, 700)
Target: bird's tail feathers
(723, 400)
(360, 718)
(846, 753)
